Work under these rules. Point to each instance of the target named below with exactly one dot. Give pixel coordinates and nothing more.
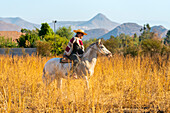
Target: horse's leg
(46, 80)
(59, 83)
(86, 89)
(87, 82)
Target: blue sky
(155, 12)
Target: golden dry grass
(118, 85)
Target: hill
(9, 27)
(96, 27)
(126, 28)
(131, 28)
(162, 31)
(94, 33)
(99, 21)
(11, 34)
(20, 22)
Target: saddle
(65, 59)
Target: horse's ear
(99, 42)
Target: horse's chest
(91, 72)
(90, 68)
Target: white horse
(53, 69)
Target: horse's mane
(90, 46)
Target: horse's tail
(43, 77)
(44, 70)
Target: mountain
(94, 33)
(73, 24)
(162, 31)
(9, 27)
(20, 22)
(99, 21)
(96, 27)
(126, 28)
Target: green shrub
(65, 32)
(28, 40)
(7, 42)
(58, 44)
(131, 50)
(151, 46)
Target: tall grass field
(120, 84)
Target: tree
(86, 43)
(58, 44)
(25, 31)
(135, 39)
(167, 39)
(65, 32)
(112, 44)
(29, 38)
(22, 41)
(146, 34)
(45, 30)
(151, 46)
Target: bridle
(101, 51)
(97, 49)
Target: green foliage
(112, 44)
(127, 45)
(7, 42)
(58, 44)
(21, 41)
(55, 44)
(28, 40)
(48, 43)
(151, 46)
(146, 34)
(65, 32)
(165, 50)
(167, 39)
(123, 44)
(88, 42)
(45, 30)
(25, 31)
(131, 49)
(32, 38)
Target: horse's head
(102, 49)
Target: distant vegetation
(45, 40)
(7, 42)
(147, 43)
(49, 43)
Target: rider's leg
(76, 61)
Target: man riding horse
(75, 49)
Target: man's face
(80, 35)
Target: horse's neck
(90, 55)
(89, 59)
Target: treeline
(49, 43)
(148, 43)
(44, 39)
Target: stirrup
(65, 60)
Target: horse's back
(53, 65)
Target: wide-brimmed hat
(80, 31)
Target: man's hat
(80, 31)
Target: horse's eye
(102, 47)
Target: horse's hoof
(74, 76)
